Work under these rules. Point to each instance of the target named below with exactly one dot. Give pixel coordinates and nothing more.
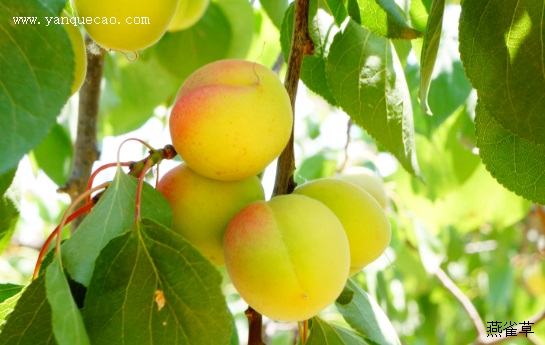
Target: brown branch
(86, 149)
(301, 45)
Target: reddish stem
(101, 168)
(147, 166)
(83, 209)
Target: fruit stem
(141, 176)
(101, 168)
(83, 209)
(70, 209)
(255, 325)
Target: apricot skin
(188, 13)
(80, 54)
(288, 257)
(365, 178)
(203, 207)
(123, 36)
(231, 119)
(363, 219)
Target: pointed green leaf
(54, 154)
(112, 215)
(430, 47)
(7, 306)
(9, 208)
(367, 80)
(30, 322)
(517, 163)
(502, 48)
(383, 18)
(9, 290)
(337, 8)
(365, 316)
(37, 67)
(182, 52)
(325, 333)
(419, 12)
(68, 327)
(275, 9)
(313, 70)
(55, 6)
(150, 286)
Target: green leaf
(517, 163)
(365, 316)
(182, 52)
(501, 46)
(368, 82)
(68, 327)
(383, 18)
(112, 215)
(54, 154)
(37, 65)
(133, 91)
(337, 8)
(9, 208)
(430, 248)
(150, 286)
(240, 15)
(313, 70)
(275, 9)
(9, 290)
(56, 6)
(445, 162)
(430, 47)
(30, 322)
(7, 306)
(324, 333)
(419, 12)
(317, 166)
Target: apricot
(288, 257)
(368, 180)
(125, 25)
(188, 13)
(203, 207)
(231, 119)
(80, 55)
(365, 222)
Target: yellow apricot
(203, 207)
(125, 25)
(288, 257)
(188, 13)
(80, 55)
(363, 219)
(367, 179)
(231, 119)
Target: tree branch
(301, 45)
(86, 148)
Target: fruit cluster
(289, 257)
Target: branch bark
(86, 148)
(301, 45)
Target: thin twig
(463, 299)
